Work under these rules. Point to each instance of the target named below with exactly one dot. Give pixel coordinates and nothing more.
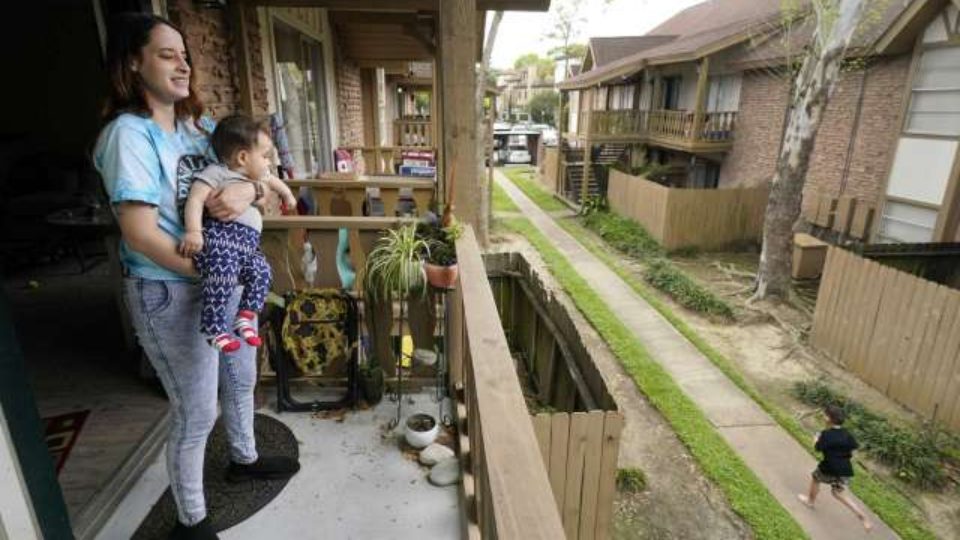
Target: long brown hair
(128, 34)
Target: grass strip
(746, 494)
(522, 178)
(501, 201)
(886, 501)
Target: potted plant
(394, 270)
(441, 262)
(421, 429)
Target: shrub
(631, 480)
(666, 277)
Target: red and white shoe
(224, 343)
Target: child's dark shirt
(837, 446)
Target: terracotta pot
(441, 277)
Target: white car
(518, 154)
(549, 137)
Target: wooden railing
(660, 124)
(505, 490)
(671, 124)
(327, 189)
(384, 160)
(413, 133)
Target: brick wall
(836, 166)
(216, 77)
(349, 102)
(753, 158)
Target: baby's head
(243, 145)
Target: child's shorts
(837, 483)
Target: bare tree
(836, 22)
(567, 20)
(482, 133)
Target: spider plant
(394, 268)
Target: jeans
(166, 317)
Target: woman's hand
(228, 202)
(191, 243)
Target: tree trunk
(813, 87)
(485, 188)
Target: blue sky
(523, 32)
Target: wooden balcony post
(585, 178)
(458, 31)
(564, 100)
(701, 103)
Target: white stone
(446, 472)
(435, 453)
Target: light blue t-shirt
(140, 162)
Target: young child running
(837, 446)
(227, 253)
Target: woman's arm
(140, 230)
(227, 203)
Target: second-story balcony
(677, 130)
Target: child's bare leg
(811, 495)
(844, 498)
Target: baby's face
(258, 162)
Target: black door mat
(227, 503)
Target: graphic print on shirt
(187, 166)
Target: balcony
(413, 132)
(676, 130)
(505, 490)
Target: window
(671, 93)
(935, 104)
(907, 223)
(302, 100)
(724, 94)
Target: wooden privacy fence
(897, 332)
(579, 432)
(700, 218)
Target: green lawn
(501, 201)
(523, 178)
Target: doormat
(227, 503)
(60, 433)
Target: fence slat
(591, 474)
(876, 284)
(608, 474)
(948, 340)
(910, 330)
(559, 433)
(541, 427)
(576, 448)
(821, 313)
(835, 299)
(923, 362)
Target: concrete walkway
(773, 455)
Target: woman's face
(163, 66)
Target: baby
(227, 253)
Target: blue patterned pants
(231, 255)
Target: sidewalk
(775, 457)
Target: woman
(155, 140)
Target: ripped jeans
(166, 317)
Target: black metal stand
(348, 324)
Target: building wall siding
(763, 101)
(850, 156)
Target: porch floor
(355, 482)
